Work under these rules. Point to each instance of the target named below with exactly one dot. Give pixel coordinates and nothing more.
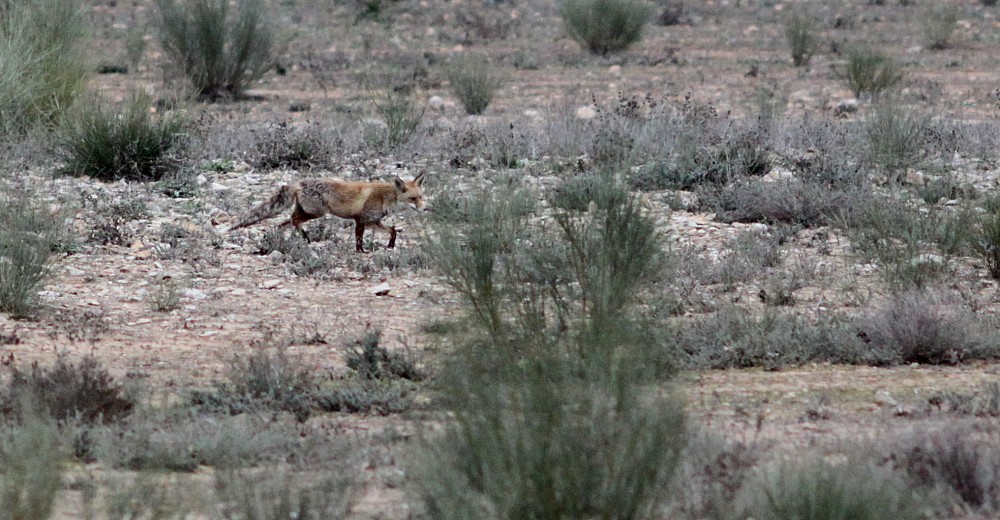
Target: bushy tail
(281, 200)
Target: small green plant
(938, 21)
(474, 82)
(28, 242)
(800, 32)
(870, 72)
(373, 361)
(42, 61)
(294, 147)
(126, 142)
(164, 297)
(219, 52)
(605, 26)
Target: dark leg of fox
(359, 234)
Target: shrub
(870, 72)
(219, 53)
(372, 361)
(278, 496)
(83, 392)
(285, 146)
(896, 138)
(28, 240)
(548, 385)
(400, 115)
(800, 31)
(31, 476)
(127, 142)
(824, 490)
(474, 82)
(805, 204)
(42, 65)
(986, 240)
(605, 26)
(938, 22)
(954, 457)
(988, 2)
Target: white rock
(219, 187)
(437, 103)
(882, 398)
(586, 112)
(381, 289)
(270, 284)
(73, 271)
(194, 294)
(201, 179)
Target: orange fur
(367, 203)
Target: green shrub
(957, 458)
(127, 142)
(605, 26)
(83, 392)
(28, 240)
(474, 82)
(31, 474)
(219, 52)
(285, 146)
(938, 22)
(986, 239)
(896, 138)
(400, 115)
(800, 31)
(871, 72)
(42, 64)
(824, 490)
(549, 384)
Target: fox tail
(280, 201)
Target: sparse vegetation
(938, 22)
(31, 475)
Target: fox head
(409, 192)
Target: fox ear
(419, 179)
(400, 185)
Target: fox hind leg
(299, 217)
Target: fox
(367, 203)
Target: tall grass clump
(110, 142)
(399, 116)
(220, 52)
(605, 26)
(552, 386)
(42, 65)
(29, 238)
(871, 72)
(825, 490)
(473, 82)
(938, 22)
(986, 238)
(30, 472)
(896, 138)
(800, 32)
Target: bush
(474, 82)
(938, 22)
(400, 115)
(129, 143)
(42, 65)
(805, 204)
(605, 26)
(986, 239)
(285, 146)
(896, 138)
(84, 392)
(28, 240)
(278, 496)
(957, 459)
(823, 490)
(31, 475)
(372, 361)
(870, 72)
(800, 31)
(549, 382)
(220, 54)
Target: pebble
(270, 284)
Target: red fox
(367, 203)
